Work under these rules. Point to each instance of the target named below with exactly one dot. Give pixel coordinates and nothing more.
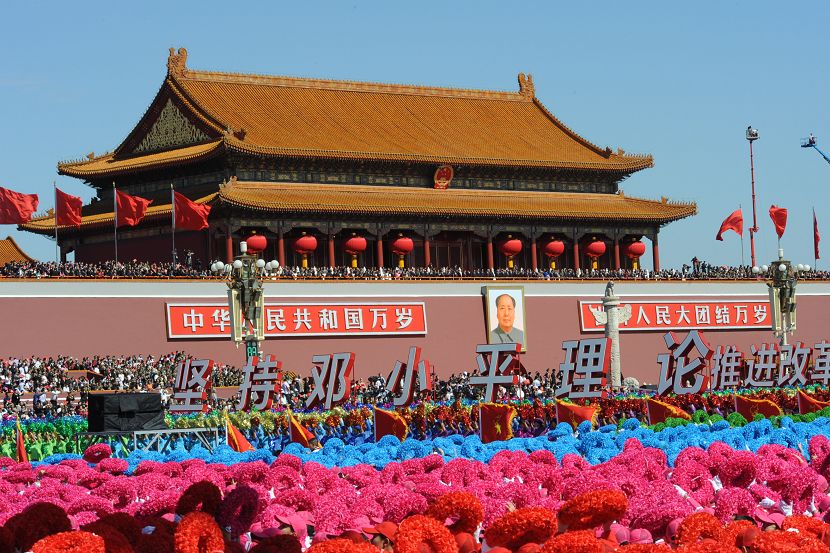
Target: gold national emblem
(443, 177)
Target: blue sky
(678, 80)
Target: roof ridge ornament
(526, 87)
(177, 62)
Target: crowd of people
(696, 270)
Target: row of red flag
(496, 420)
(735, 222)
(17, 208)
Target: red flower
(581, 541)
(784, 542)
(38, 521)
(463, 505)
(708, 546)
(421, 533)
(734, 530)
(238, 510)
(699, 526)
(516, 528)
(592, 509)
(96, 453)
(157, 542)
(282, 543)
(645, 548)
(198, 533)
(342, 546)
(202, 496)
(125, 524)
(114, 541)
(69, 542)
(806, 525)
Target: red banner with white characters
(200, 320)
(728, 314)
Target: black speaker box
(125, 412)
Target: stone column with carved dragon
(611, 317)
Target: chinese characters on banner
(586, 368)
(495, 367)
(214, 321)
(684, 315)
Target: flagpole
(742, 236)
(173, 221)
(115, 225)
(57, 247)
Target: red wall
(105, 323)
(148, 248)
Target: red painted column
(655, 253)
(427, 254)
(229, 246)
(534, 264)
(490, 252)
(281, 249)
(380, 250)
(331, 251)
(576, 254)
(616, 253)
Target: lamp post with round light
(782, 277)
(246, 298)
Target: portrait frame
(517, 293)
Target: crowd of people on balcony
(696, 270)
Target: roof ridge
(349, 85)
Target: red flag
(751, 407)
(300, 434)
(130, 209)
(16, 208)
(390, 422)
(68, 209)
(658, 411)
(806, 404)
(816, 235)
(190, 215)
(236, 439)
(575, 414)
(733, 222)
(495, 422)
(779, 219)
(22, 455)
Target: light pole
(782, 278)
(752, 135)
(246, 298)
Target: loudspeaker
(125, 412)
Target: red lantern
(553, 249)
(402, 246)
(594, 250)
(304, 245)
(510, 248)
(256, 243)
(355, 245)
(634, 251)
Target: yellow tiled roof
(392, 201)
(315, 118)
(46, 223)
(108, 165)
(11, 252)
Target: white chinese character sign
(585, 369)
(194, 321)
(261, 382)
(332, 376)
(726, 314)
(192, 385)
(402, 380)
(496, 365)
